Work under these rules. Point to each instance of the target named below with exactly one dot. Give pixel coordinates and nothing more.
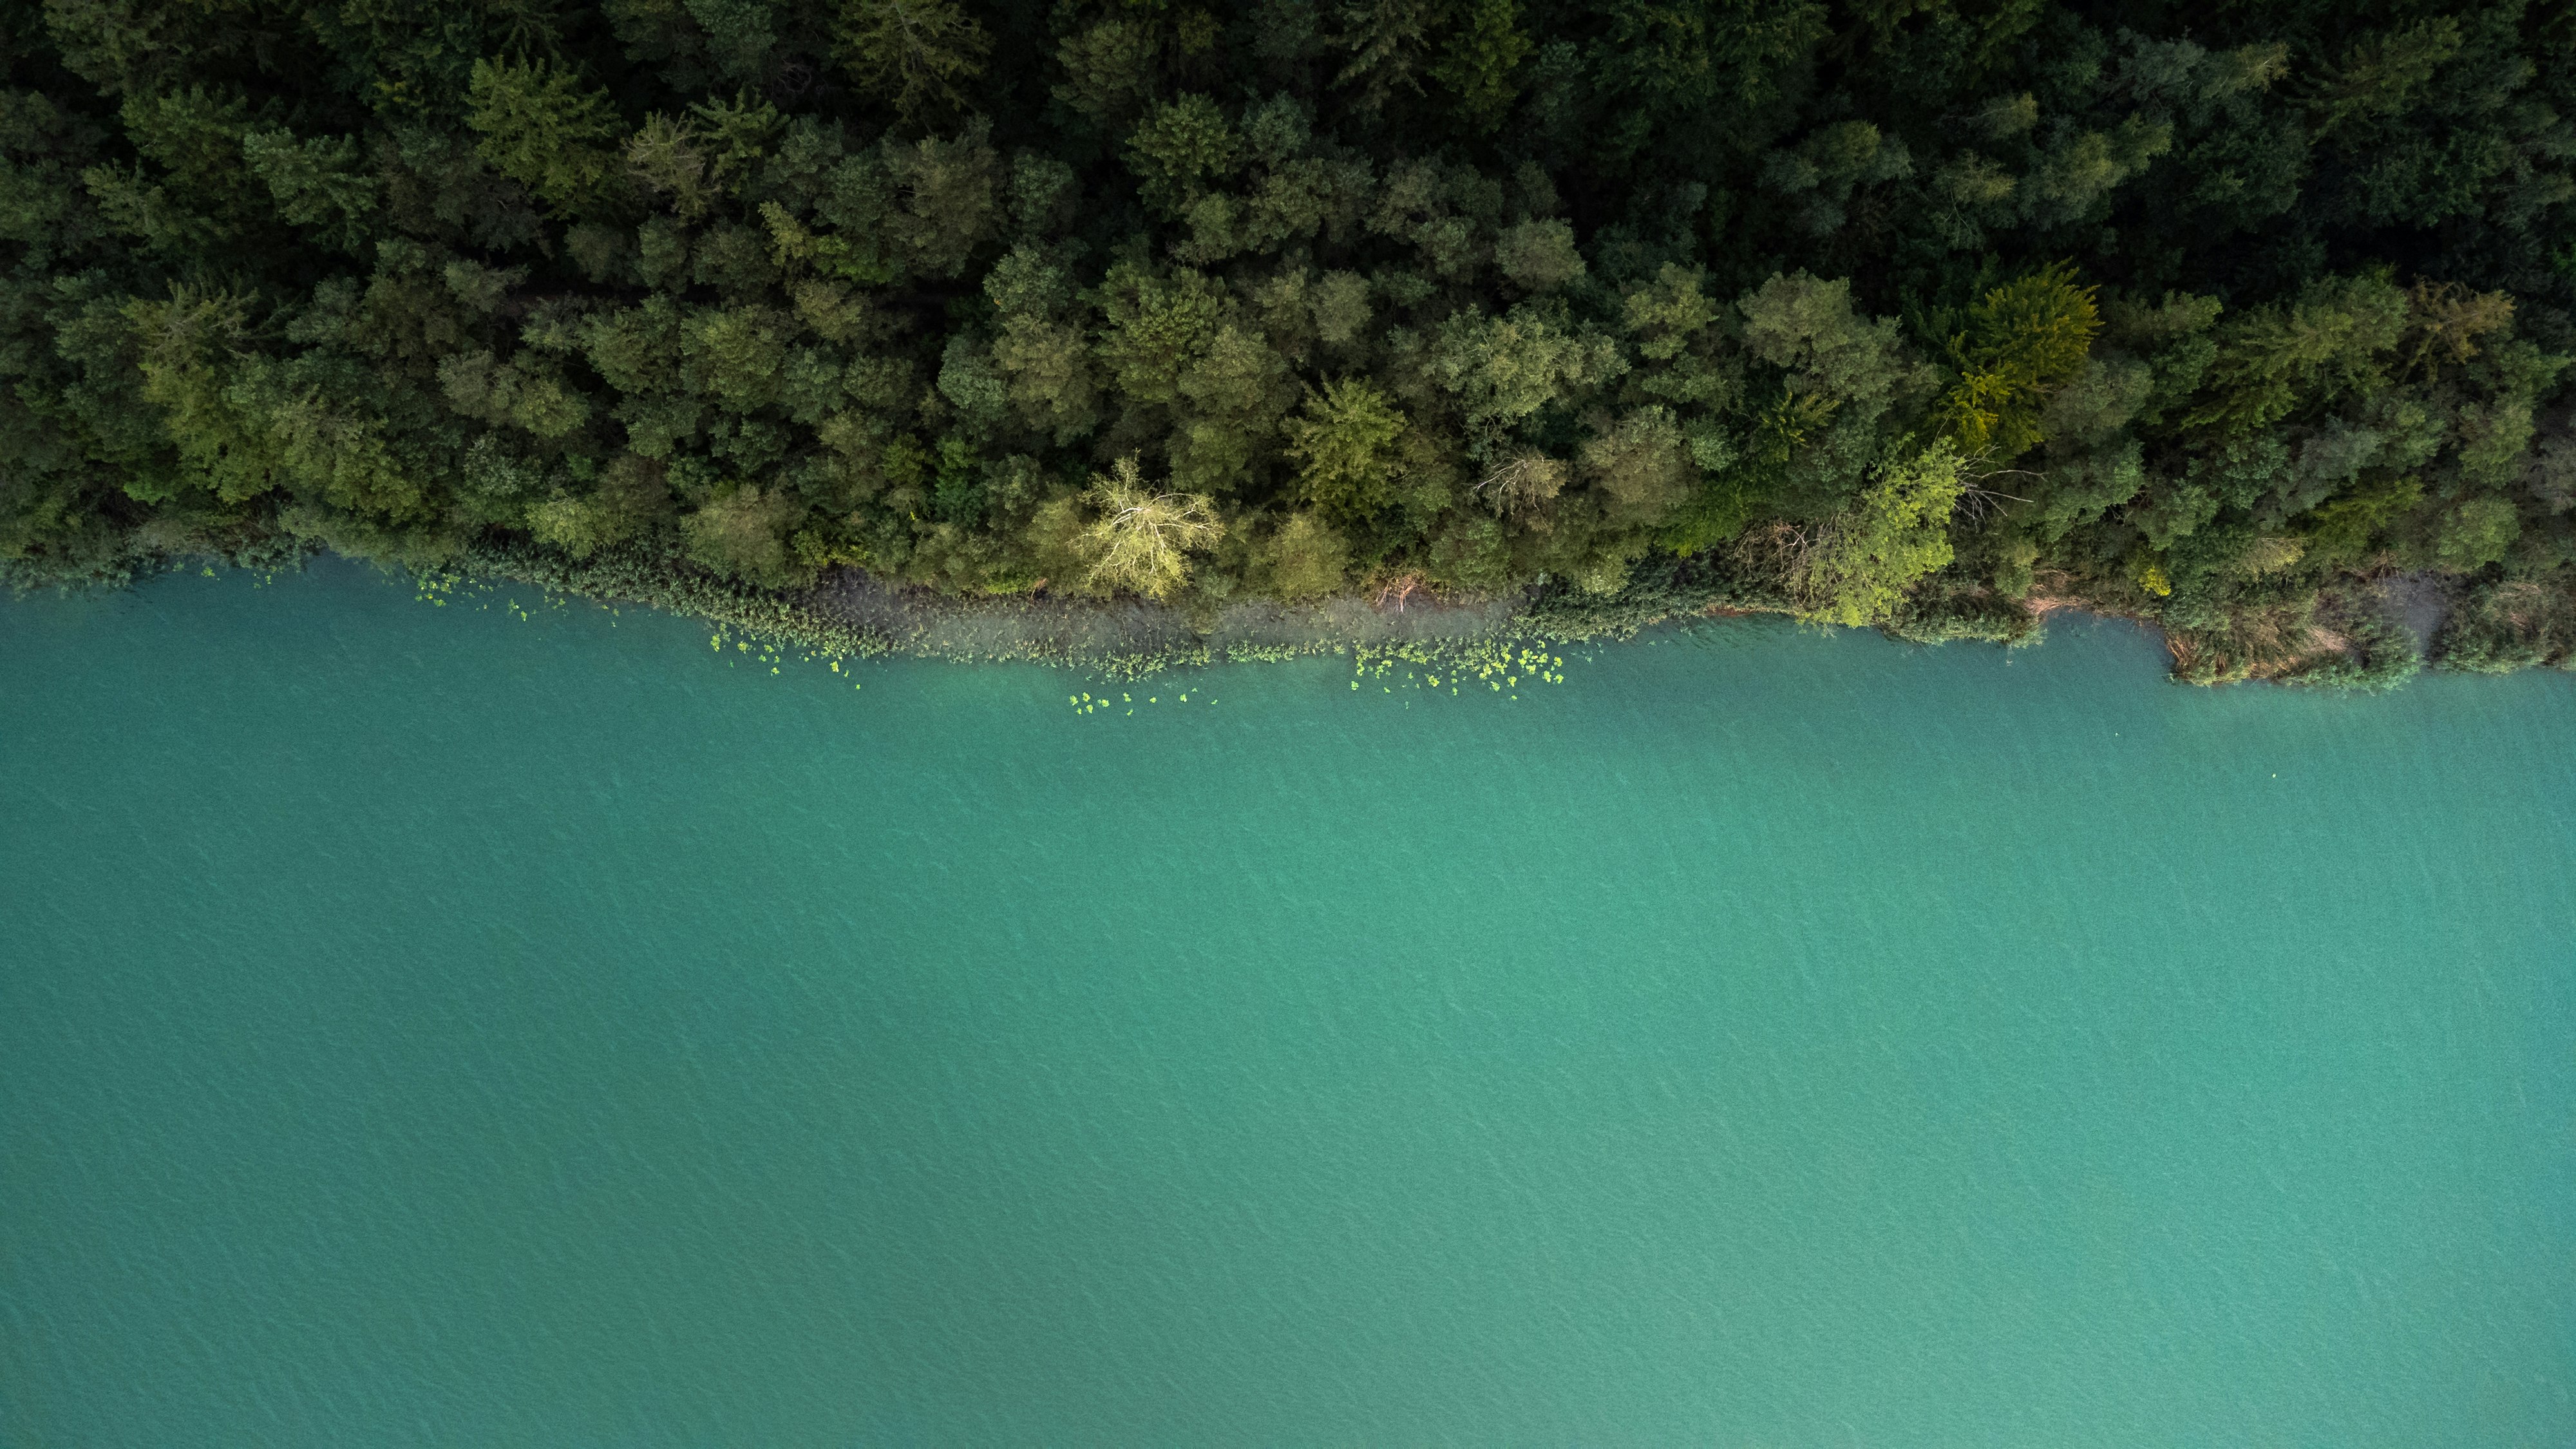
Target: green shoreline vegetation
(1134, 332)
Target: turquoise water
(432, 1026)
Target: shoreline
(2358, 634)
(2372, 636)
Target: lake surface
(437, 1026)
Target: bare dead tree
(1783, 552)
(1521, 482)
(1398, 590)
(1977, 502)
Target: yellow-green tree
(1856, 567)
(2022, 339)
(1143, 538)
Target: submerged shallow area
(505, 1024)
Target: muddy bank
(1058, 629)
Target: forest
(1930, 315)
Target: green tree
(1538, 256)
(1235, 393)
(578, 526)
(2476, 533)
(1181, 148)
(743, 534)
(1640, 465)
(1386, 41)
(543, 129)
(1703, 60)
(1156, 327)
(1344, 441)
(318, 182)
(1826, 168)
(1504, 369)
(1306, 559)
(914, 55)
(950, 199)
(2381, 75)
(2275, 360)
(1480, 55)
(1108, 69)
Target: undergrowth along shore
(2353, 638)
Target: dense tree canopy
(1887, 307)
